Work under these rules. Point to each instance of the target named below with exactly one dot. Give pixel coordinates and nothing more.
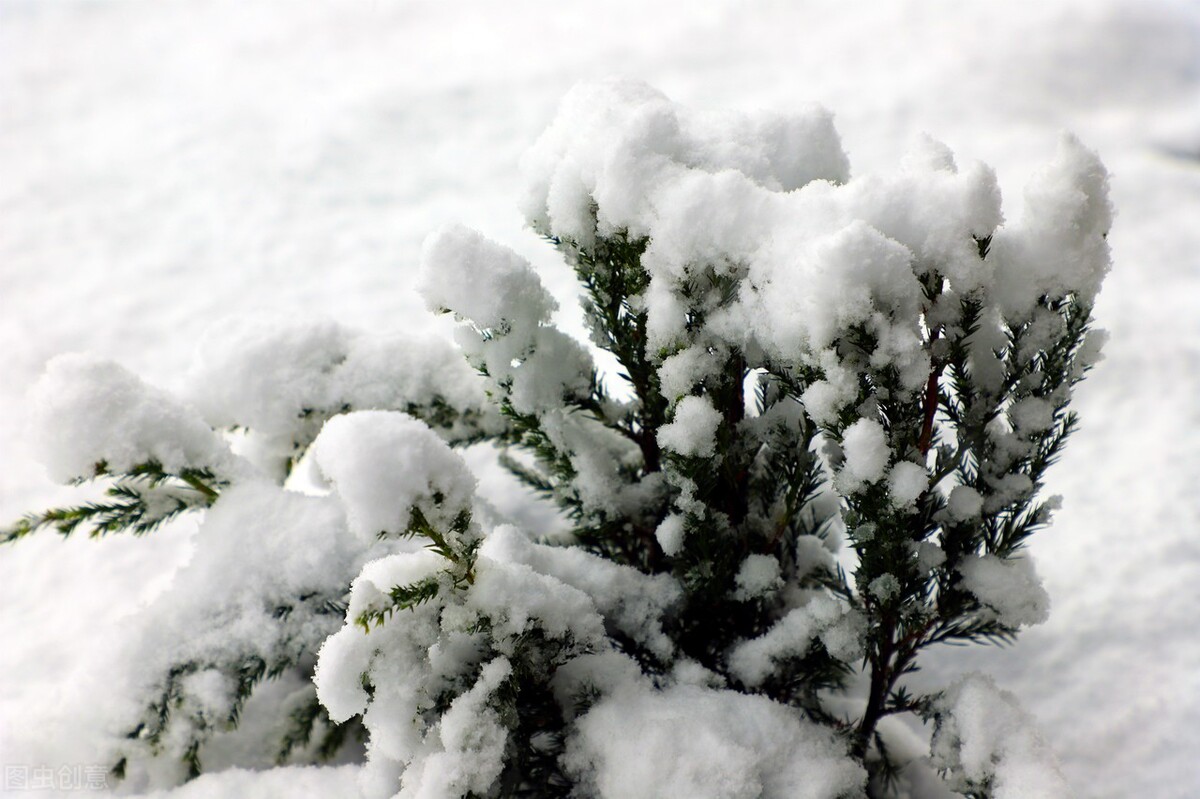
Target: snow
(89, 411)
(166, 165)
(964, 503)
(278, 379)
(884, 588)
(285, 781)
(680, 372)
(393, 371)
(929, 556)
(370, 588)
(518, 599)
(693, 428)
(758, 575)
(835, 624)
(383, 463)
(558, 367)
(497, 293)
(264, 373)
(865, 449)
(435, 646)
(1032, 415)
(267, 372)
(1055, 248)
(633, 133)
(906, 482)
(239, 547)
(670, 533)
(985, 738)
(736, 746)
(472, 741)
(597, 457)
(264, 547)
(482, 281)
(817, 259)
(632, 601)
(1009, 588)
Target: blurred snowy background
(166, 164)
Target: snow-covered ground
(163, 165)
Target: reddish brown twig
(931, 400)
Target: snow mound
(91, 411)
(695, 742)
(984, 738)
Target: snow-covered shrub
(808, 362)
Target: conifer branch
(138, 501)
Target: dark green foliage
(764, 490)
(758, 488)
(610, 273)
(934, 608)
(458, 549)
(173, 709)
(537, 730)
(404, 597)
(759, 491)
(309, 727)
(137, 501)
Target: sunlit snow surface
(163, 165)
